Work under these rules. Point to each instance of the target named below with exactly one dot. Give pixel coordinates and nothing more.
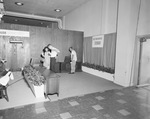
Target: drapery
(104, 56)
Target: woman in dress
(46, 55)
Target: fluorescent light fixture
(15, 41)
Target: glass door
(144, 74)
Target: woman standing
(46, 55)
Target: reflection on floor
(19, 93)
(127, 103)
(70, 85)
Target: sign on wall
(97, 41)
(4, 32)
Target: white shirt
(54, 51)
(5, 79)
(73, 55)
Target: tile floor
(126, 103)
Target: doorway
(15, 63)
(144, 61)
(13, 52)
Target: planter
(38, 91)
(101, 74)
(34, 80)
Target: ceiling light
(1, 1)
(57, 10)
(19, 3)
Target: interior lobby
(111, 81)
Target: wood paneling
(39, 38)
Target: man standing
(54, 51)
(73, 60)
(54, 54)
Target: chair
(4, 79)
(65, 66)
(3, 92)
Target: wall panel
(39, 38)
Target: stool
(3, 92)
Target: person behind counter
(54, 54)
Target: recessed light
(19, 3)
(57, 10)
(1, 1)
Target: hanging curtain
(87, 49)
(109, 50)
(104, 56)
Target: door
(16, 57)
(14, 62)
(16, 54)
(144, 77)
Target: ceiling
(33, 11)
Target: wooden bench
(52, 82)
(51, 85)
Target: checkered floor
(127, 103)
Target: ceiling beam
(16, 14)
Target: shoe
(45, 95)
(71, 72)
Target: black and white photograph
(74, 59)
